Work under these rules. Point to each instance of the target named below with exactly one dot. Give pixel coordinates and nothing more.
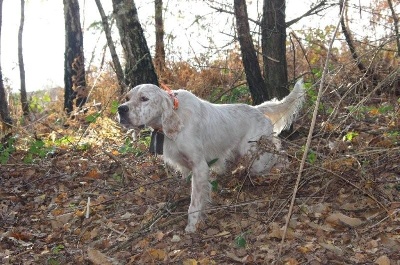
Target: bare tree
(252, 68)
(349, 40)
(273, 38)
(139, 66)
(24, 98)
(159, 58)
(274, 80)
(4, 112)
(117, 65)
(74, 70)
(396, 26)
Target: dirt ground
(104, 205)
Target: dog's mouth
(125, 122)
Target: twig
(310, 133)
(119, 161)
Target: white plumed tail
(283, 112)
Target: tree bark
(4, 112)
(74, 70)
(24, 98)
(273, 38)
(396, 26)
(139, 67)
(251, 65)
(117, 65)
(349, 40)
(159, 58)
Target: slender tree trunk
(396, 26)
(273, 33)
(159, 59)
(24, 98)
(117, 65)
(249, 57)
(74, 70)
(349, 40)
(4, 112)
(139, 67)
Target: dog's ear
(171, 123)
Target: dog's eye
(126, 99)
(143, 99)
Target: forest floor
(347, 209)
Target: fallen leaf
(338, 219)
(97, 258)
(93, 174)
(157, 254)
(291, 261)
(175, 238)
(159, 235)
(383, 260)
(190, 262)
(206, 261)
(338, 251)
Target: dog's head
(149, 105)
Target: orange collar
(172, 95)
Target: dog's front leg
(200, 195)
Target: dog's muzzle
(123, 115)
(123, 109)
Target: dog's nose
(123, 109)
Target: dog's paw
(190, 228)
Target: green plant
(93, 117)
(65, 140)
(38, 149)
(240, 241)
(214, 185)
(114, 107)
(57, 249)
(311, 156)
(6, 150)
(350, 136)
(37, 103)
(127, 146)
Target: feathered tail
(283, 112)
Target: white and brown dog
(197, 132)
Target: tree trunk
(273, 37)
(117, 65)
(349, 40)
(251, 65)
(4, 112)
(395, 25)
(139, 67)
(74, 70)
(24, 98)
(159, 59)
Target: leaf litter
(89, 201)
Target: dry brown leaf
(156, 254)
(325, 228)
(338, 251)
(291, 261)
(206, 261)
(159, 235)
(190, 262)
(383, 260)
(341, 164)
(93, 174)
(97, 258)
(338, 219)
(245, 260)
